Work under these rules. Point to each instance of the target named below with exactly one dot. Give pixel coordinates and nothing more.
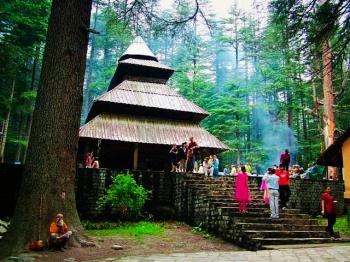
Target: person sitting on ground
(295, 172)
(233, 170)
(59, 233)
(314, 172)
(226, 171)
(206, 168)
(248, 168)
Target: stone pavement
(324, 253)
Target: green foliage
(124, 196)
(23, 25)
(342, 225)
(137, 230)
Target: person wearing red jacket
(283, 185)
(328, 209)
(285, 159)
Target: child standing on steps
(242, 194)
(328, 205)
(263, 187)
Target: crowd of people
(275, 184)
(186, 158)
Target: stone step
(265, 226)
(235, 204)
(231, 200)
(286, 234)
(252, 210)
(230, 195)
(222, 188)
(266, 210)
(266, 215)
(268, 220)
(254, 205)
(216, 183)
(257, 207)
(291, 240)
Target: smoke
(274, 134)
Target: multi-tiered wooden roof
(140, 108)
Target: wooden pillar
(136, 155)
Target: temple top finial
(138, 49)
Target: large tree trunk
(329, 124)
(48, 180)
(328, 114)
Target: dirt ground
(177, 238)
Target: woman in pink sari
(242, 194)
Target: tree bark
(48, 180)
(328, 103)
(328, 117)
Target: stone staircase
(208, 202)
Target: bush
(124, 197)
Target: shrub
(124, 197)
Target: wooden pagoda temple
(133, 124)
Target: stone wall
(196, 210)
(169, 194)
(306, 195)
(91, 184)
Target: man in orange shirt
(59, 233)
(283, 185)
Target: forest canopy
(257, 70)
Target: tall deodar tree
(48, 181)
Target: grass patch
(133, 229)
(201, 231)
(342, 225)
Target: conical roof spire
(138, 49)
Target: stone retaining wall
(169, 193)
(306, 194)
(91, 184)
(196, 210)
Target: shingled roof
(145, 94)
(138, 48)
(139, 107)
(138, 129)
